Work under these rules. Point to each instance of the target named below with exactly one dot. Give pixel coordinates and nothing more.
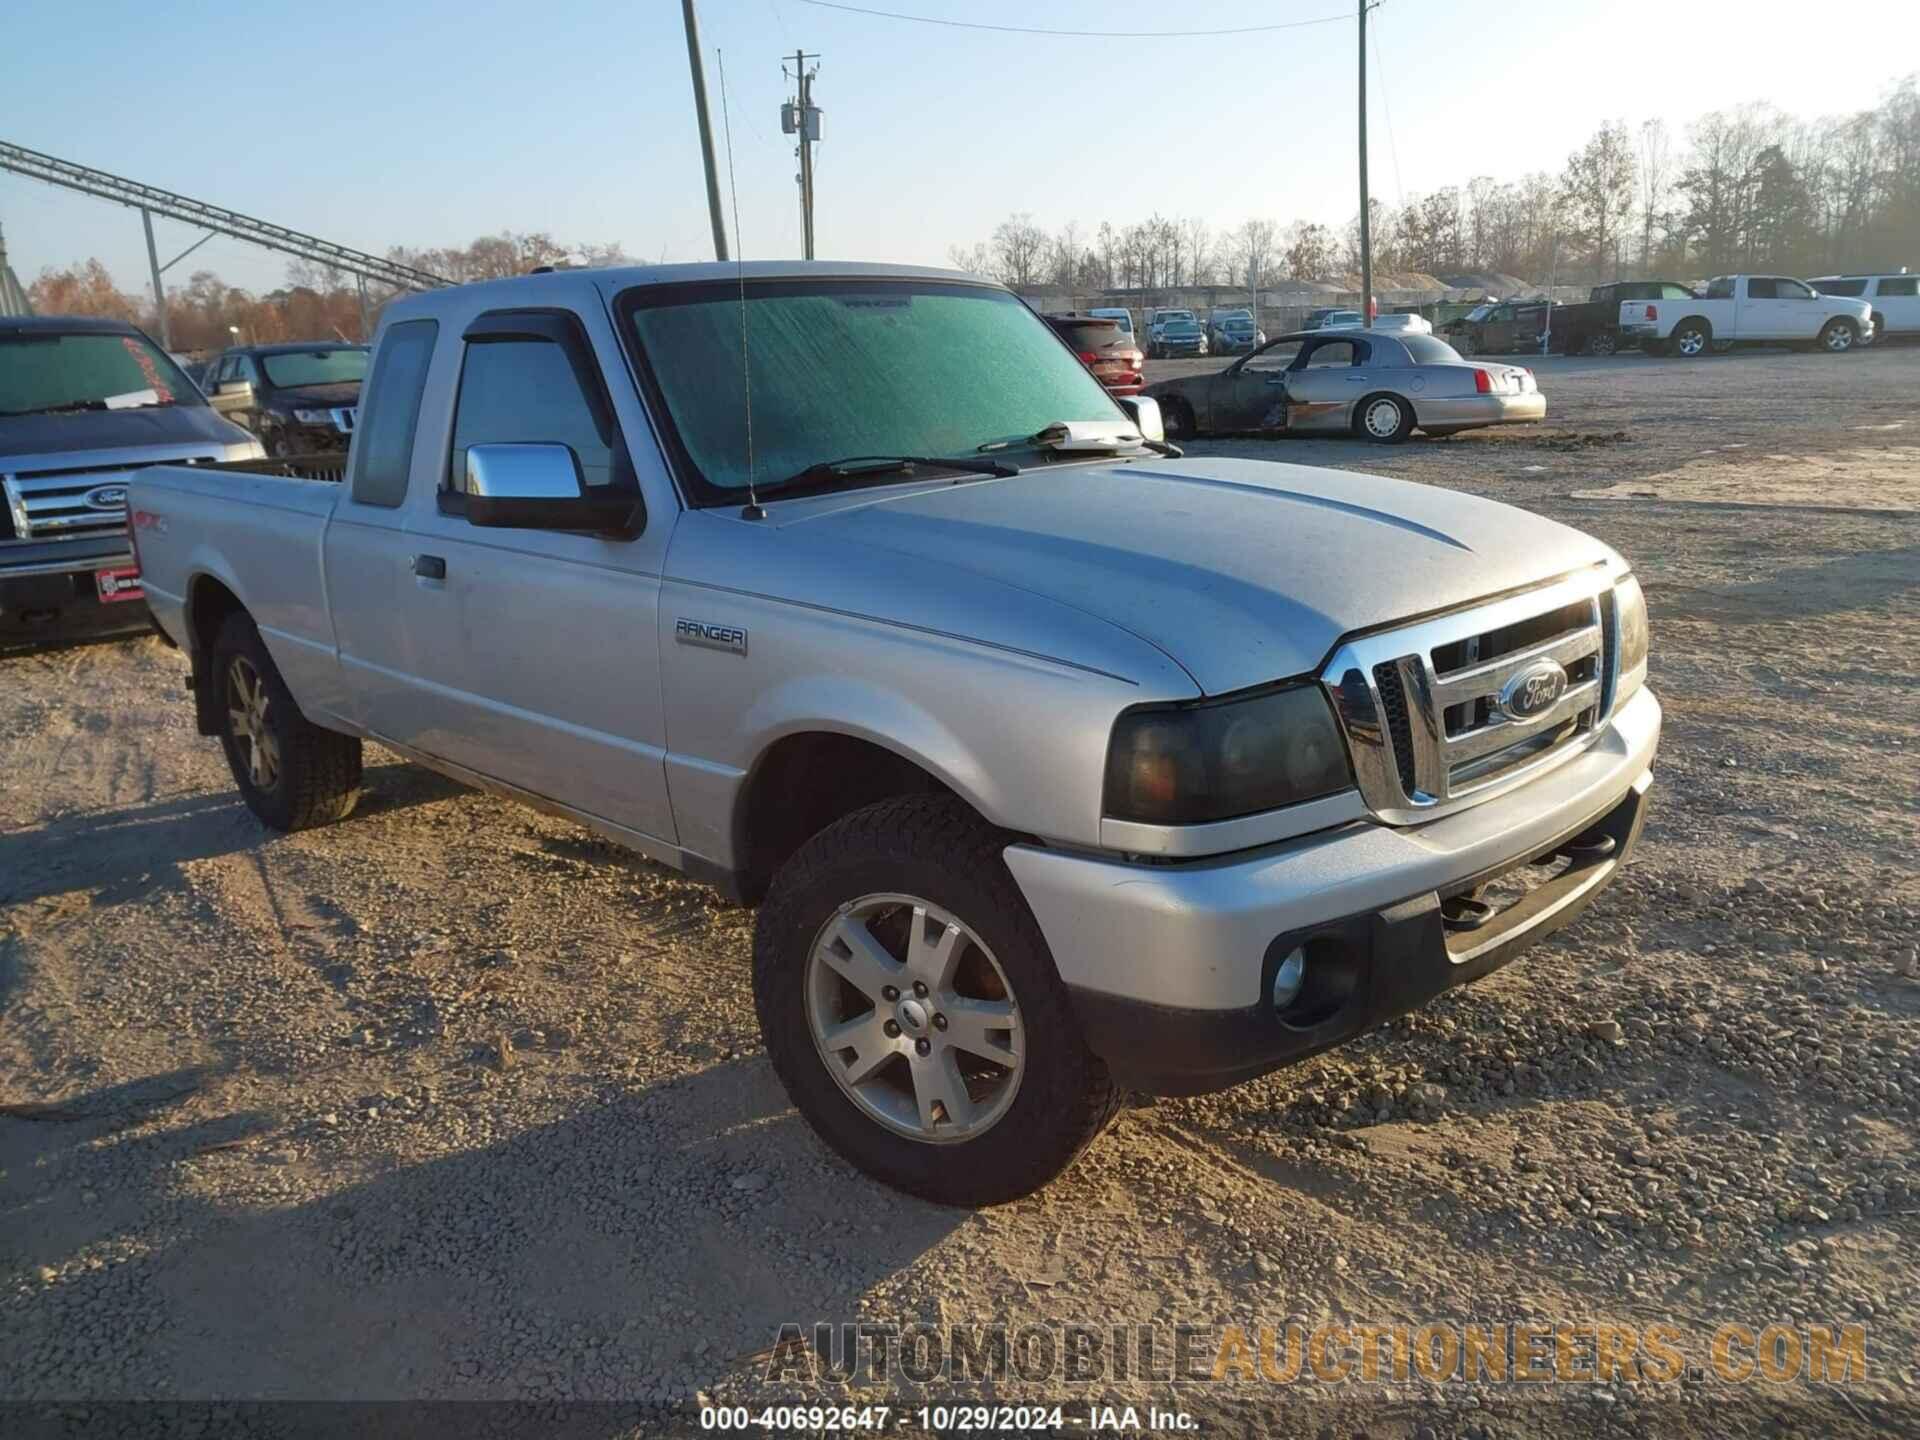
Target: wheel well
(802, 785)
(209, 603)
(1700, 320)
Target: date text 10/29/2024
(945, 1419)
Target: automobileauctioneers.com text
(1330, 1353)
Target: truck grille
(71, 504)
(1440, 713)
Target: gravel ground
(454, 1100)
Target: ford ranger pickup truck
(83, 404)
(1057, 764)
(1741, 309)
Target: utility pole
(802, 119)
(706, 129)
(159, 290)
(1366, 205)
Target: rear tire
(871, 878)
(1691, 339)
(1603, 343)
(292, 774)
(1176, 418)
(1465, 344)
(1384, 419)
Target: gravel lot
(454, 1100)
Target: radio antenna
(752, 510)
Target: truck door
(1252, 395)
(1325, 384)
(1761, 313)
(1801, 314)
(1896, 300)
(534, 654)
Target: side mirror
(1145, 411)
(232, 395)
(538, 487)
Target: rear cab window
(390, 414)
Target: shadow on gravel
(1851, 582)
(126, 854)
(658, 1238)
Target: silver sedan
(1364, 382)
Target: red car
(1105, 349)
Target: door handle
(1356, 379)
(430, 567)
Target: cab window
(1721, 288)
(1278, 356)
(529, 390)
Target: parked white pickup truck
(1743, 309)
(1057, 763)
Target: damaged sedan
(1362, 382)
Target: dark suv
(299, 399)
(1105, 349)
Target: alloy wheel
(1839, 338)
(247, 702)
(914, 1018)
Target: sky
(429, 122)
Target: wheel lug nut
(920, 987)
(921, 1047)
(892, 1028)
(887, 992)
(939, 1022)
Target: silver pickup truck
(1057, 764)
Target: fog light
(1290, 978)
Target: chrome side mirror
(538, 487)
(1145, 412)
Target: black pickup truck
(1594, 328)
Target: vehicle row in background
(1373, 383)
(300, 399)
(84, 403)
(1741, 309)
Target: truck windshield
(42, 373)
(345, 365)
(847, 366)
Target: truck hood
(1241, 571)
(158, 425)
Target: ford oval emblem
(106, 497)
(1533, 691)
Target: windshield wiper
(822, 474)
(69, 408)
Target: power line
(1072, 34)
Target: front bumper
(1170, 966)
(53, 582)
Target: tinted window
(1845, 288)
(1277, 356)
(1763, 288)
(1720, 289)
(40, 372)
(390, 413)
(1337, 352)
(527, 391)
(345, 365)
(1899, 285)
(1426, 350)
(1089, 335)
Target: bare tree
(1019, 250)
(1655, 182)
(1597, 192)
(1310, 251)
(1253, 246)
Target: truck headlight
(314, 417)
(1191, 763)
(1630, 609)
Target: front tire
(292, 774)
(1176, 418)
(1384, 419)
(912, 1009)
(1839, 336)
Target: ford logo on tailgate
(106, 497)
(1533, 691)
